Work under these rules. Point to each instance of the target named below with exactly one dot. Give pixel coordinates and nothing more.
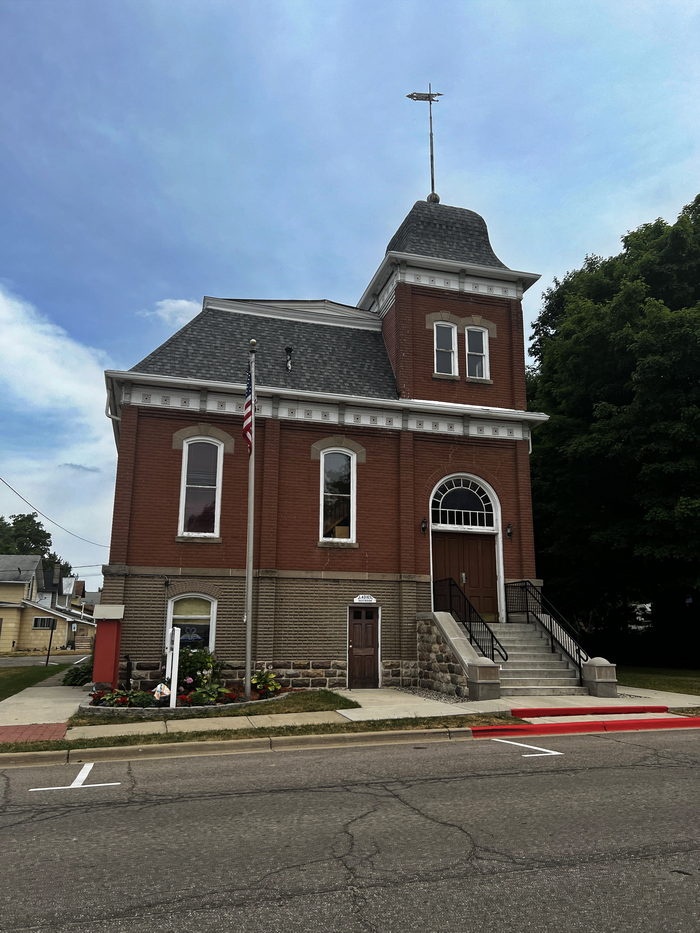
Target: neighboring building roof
(18, 568)
(334, 358)
(445, 232)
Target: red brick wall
(393, 490)
(413, 353)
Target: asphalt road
(459, 836)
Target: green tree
(24, 534)
(616, 472)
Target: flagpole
(248, 615)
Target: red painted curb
(562, 728)
(530, 713)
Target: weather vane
(431, 97)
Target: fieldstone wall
(438, 666)
(291, 673)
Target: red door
(363, 647)
(470, 560)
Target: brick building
(391, 451)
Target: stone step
(539, 664)
(544, 691)
(533, 655)
(510, 681)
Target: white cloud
(174, 311)
(52, 415)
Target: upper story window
(337, 495)
(477, 353)
(446, 349)
(200, 492)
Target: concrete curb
(564, 728)
(532, 712)
(360, 738)
(168, 750)
(25, 759)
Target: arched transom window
(195, 615)
(460, 502)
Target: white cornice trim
(315, 312)
(401, 404)
(524, 279)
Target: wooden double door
(363, 647)
(470, 560)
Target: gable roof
(18, 568)
(326, 357)
(444, 232)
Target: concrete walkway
(42, 712)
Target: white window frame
(455, 356)
(212, 618)
(353, 493)
(183, 486)
(42, 628)
(485, 354)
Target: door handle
(463, 578)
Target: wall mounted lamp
(424, 526)
(509, 530)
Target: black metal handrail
(449, 597)
(524, 597)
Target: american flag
(248, 413)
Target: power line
(43, 515)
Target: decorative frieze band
(323, 413)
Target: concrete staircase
(532, 669)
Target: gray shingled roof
(444, 232)
(325, 358)
(10, 563)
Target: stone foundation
(439, 668)
(328, 674)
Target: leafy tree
(24, 534)
(616, 471)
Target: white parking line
(542, 751)
(80, 780)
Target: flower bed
(167, 712)
(199, 687)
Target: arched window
(200, 491)
(461, 502)
(477, 353)
(337, 495)
(195, 616)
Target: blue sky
(156, 151)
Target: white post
(173, 664)
(250, 534)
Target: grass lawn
(313, 701)
(14, 679)
(324, 728)
(673, 680)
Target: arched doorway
(466, 541)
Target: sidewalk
(39, 713)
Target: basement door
(363, 647)
(470, 560)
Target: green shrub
(78, 675)
(265, 682)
